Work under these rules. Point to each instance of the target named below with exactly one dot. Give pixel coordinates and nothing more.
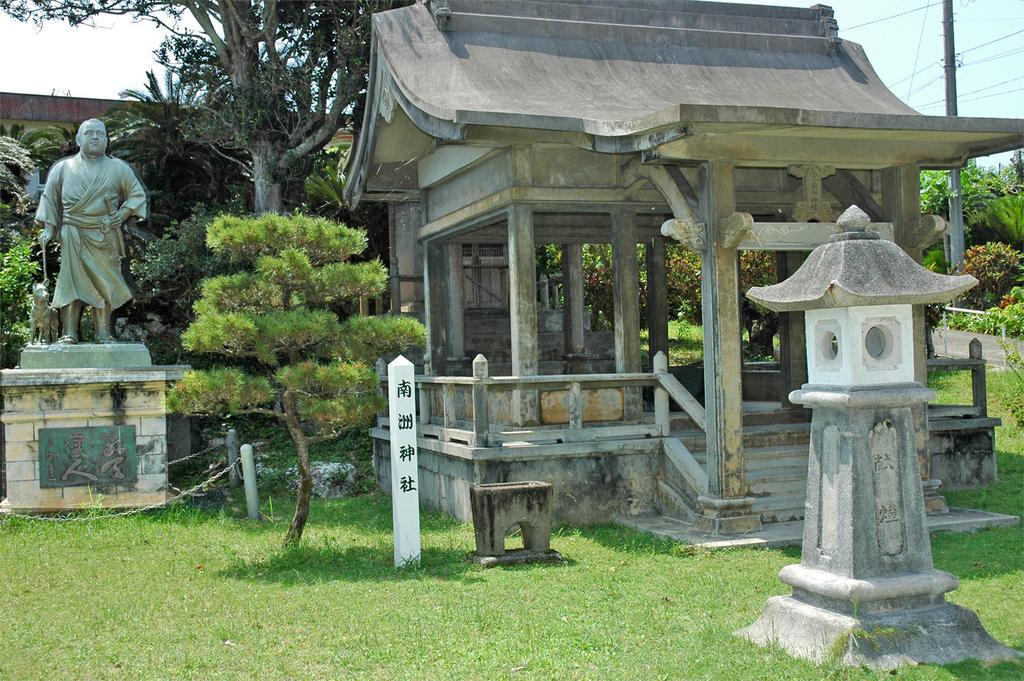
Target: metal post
(232, 445)
(252, 499)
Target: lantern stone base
(938, 634)
(83, 438)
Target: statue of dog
(44, 318)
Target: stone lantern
(865, 588)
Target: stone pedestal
(726, 516)
(77, 438)
(865, 591)
(500, 507)
(113, 355)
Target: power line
(993, 57)
(995, 94)
(920, 70)
(893, 16)
(920, 38)
(922, 87)
(996, 40)
(975, 99)
(989, 87)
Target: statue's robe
(79, 200)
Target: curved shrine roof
(608, 67)
(636, 75)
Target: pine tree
(281, 321)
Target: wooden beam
(657, 297)
(522, 275)
(849, 191)
(456, 303)
(572, 287)
(723, 364)
(626, 285)
(435, 301)
(792, 337)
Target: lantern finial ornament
(853, 219)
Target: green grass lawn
(187, 594)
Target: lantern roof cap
(857, 268)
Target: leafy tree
(278, 78)
(977, 184)
(45, 145)
(15, 164)
(154, 132)
(325, 186)
(1006, 216)
(18, 269)
(982, 188)
(279, 319)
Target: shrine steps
(775, 471)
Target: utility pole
(956, 199)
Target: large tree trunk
(305, 477)
(267, 189)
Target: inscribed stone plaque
(883, 444)
(98, 455)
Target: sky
(906, 51)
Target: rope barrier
(4, 517)
(195, 454)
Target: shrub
(1006, 217)
(169, 273)
(996, 266)
(934, 260)
(993, 322)
(18, 269)
(684, 277)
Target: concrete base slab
(119, 502)
(85, 356)
(517, 557)
(791, 533)
(941, 634)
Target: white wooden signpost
(405, 495)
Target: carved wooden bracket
(928, 230)
(735, 229)
(387, 103)
(812, 207)
(693, 235)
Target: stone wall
(963, 457)
(593, 482)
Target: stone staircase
(775, 459)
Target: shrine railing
(974, 363)
(487, 411)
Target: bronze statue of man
(87, 199)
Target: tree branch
(202, 17)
